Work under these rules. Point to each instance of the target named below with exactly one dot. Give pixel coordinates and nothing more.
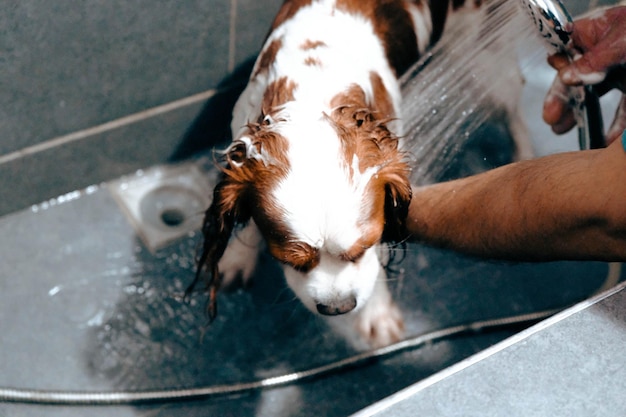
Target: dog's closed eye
(354, 254)
(299, 255)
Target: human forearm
(565, 206)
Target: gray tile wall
(67, 66)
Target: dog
(316, 170)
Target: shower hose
(52, 397)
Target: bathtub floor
(87, 307)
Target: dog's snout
(338, 307)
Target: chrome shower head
(554, 25)
(553, 22)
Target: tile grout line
(104, 127)
(232, 35)
(406, 393)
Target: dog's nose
(338, 307)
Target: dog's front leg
(380, 321)
(240, 258)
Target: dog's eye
(353, 255)
(304, 268)
(303, 265)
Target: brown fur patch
(366, 241)
(393, 26)
(288, 10)
(277, 94)
(312, 62)
(309, 44)
(268, 56)
(365, 134)
(299, 255)
(382, 99)
(354, 96)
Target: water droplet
(55, 290)
(97, 319)
(130, 289)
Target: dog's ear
(368, 137)
(382, 146)
(227, 210)
(397, 199)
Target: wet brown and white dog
(315, 168)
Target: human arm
(564, 206)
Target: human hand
(600, 40)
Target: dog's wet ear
(227, 210)
(397, 199)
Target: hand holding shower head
(555, 26)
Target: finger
(567, 122)
(556, 103)
(602, 44)
(619, 122)
(559, 61)
(584, 70)
(557, 111)
(558, 114)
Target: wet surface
(89, 307)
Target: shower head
(554, 24)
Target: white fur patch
(334, 280)
(322, 204)
(240, 258)
(351, 53)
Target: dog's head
(323, 189)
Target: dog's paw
(240, 258)
(380, 324)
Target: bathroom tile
(253, 21)
(66, 66)
(94, 159)
(572, 367)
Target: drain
(164, 203)
(170, 206)
(173, 217)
